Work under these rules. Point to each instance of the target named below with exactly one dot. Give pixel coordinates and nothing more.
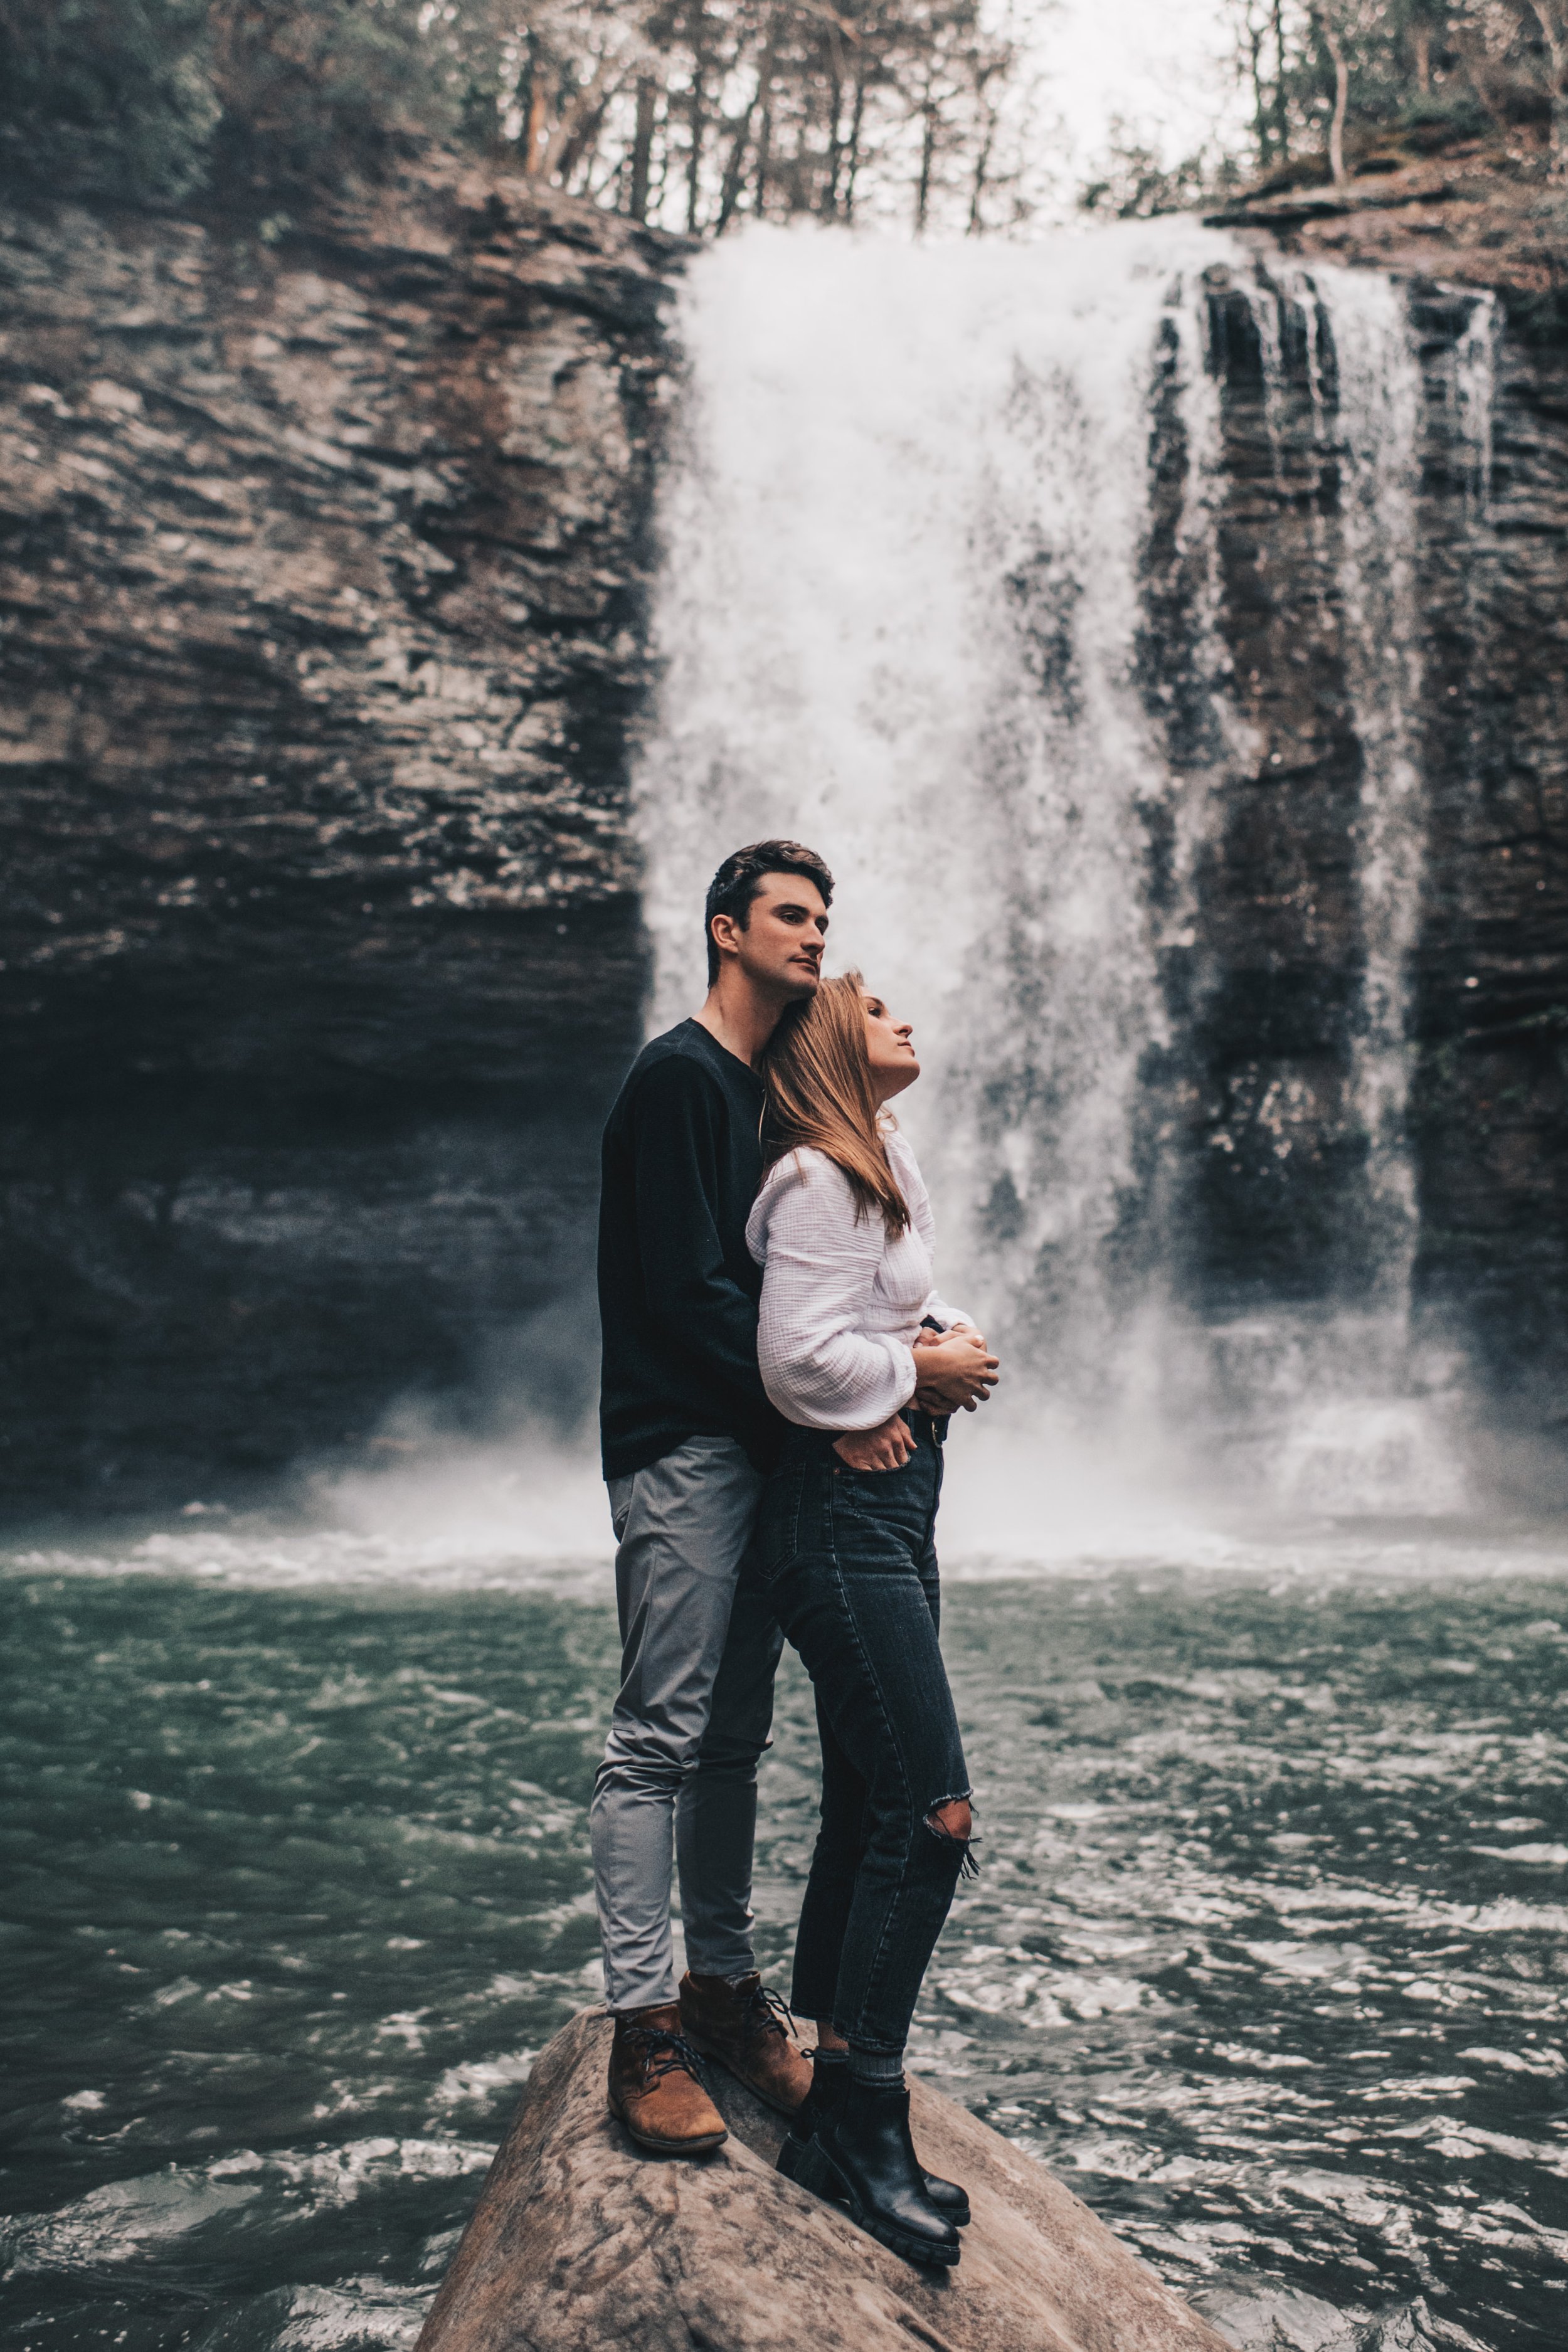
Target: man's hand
(886, 1447)
(955, 1370)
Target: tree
(304, 87)
(1342, 71)
(106, 95)
(1135, 183)
(1263, 61)
(689, 113)
(1552, 15)
(1330, 31)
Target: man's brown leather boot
(743, 2026)
(655, 2087)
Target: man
(688, 1437)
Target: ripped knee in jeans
(952, 1822)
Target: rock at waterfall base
(580, 2242)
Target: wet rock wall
(321, 559)
(1286, 934)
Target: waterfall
(942, 593)
(1348, 1440)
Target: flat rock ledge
(580, 2243)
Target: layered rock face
(322, 580)
(1487, 589)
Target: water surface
(1267, 1955)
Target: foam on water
(1043, 1505)
(125, 2220)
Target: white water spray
(901, 617)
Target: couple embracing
(778, 1372)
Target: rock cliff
(322, 558)
(1474, 211)
(1489, 581)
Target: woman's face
(889, 1050)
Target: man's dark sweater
(677, 1287)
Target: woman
(842, 1229)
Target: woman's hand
(886, 1447)
(955, 1370)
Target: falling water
(906, 614)
(1357, 1432)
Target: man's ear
(721, 930)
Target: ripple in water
(1267, 1956)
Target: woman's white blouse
(841, 1303)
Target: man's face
(780, 946)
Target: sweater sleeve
(820, 1368)
(702, 1309)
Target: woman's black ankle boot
(865, 2161)
(797, 2158)
(828, 2085)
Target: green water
(1267, 1955)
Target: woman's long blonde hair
(818, 1076)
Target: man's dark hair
(740, 878)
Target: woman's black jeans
(848, 1562)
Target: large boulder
(581, 2242)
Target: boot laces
(659, 2050)
(768, 2012)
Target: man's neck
(739, 1018)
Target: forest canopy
(1321, 72)
(688, 114)
(696, 114)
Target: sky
(1159, 64)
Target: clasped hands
(956, 1372)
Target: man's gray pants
(698, 1653)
